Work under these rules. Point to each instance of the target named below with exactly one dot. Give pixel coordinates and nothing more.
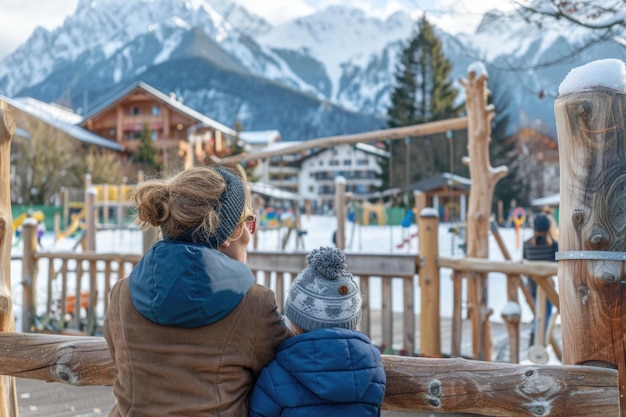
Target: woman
(542, 246)
(189, 330)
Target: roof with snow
(169, 100)
(445, 179)
(260, 137)
(550, 200)
(48, 117)
(268, 190)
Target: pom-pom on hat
(541, 223)
(324, 294)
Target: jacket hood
(336, 364)
(187, 285)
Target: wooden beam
(413, 384)
(384, 134)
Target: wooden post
(105, 204)
(121, 200)
(66, 209)
(592, 229)
(430, 323)
(29, 274)
(340, 211)
(511, 313)
(149, 238)
(90, 218)
(484, 178)
(8, 397)
(420, 200)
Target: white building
(358, 164)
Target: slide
(73, 227)
(38, 215)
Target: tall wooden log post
(592, 229)
(8, 396)
(340, 212)
(484, 178)
(430, 321)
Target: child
(328, 369)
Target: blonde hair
(186, 204)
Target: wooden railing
(84, 280)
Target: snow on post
(592, 223)
(609, 73)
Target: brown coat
(204, 371)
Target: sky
(19, 18)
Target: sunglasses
(250, 222)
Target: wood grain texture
(591, 128)
(413, 384)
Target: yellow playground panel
(112, 192)
(37, 215)
(78, 221)
(377, 209)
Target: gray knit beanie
(324, 294)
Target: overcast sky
(18, 18)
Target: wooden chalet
(183, 135)
(538, 156)
(31, 114)
(447, 193)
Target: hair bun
(328, 262)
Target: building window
(156, 110)
(361, 162)
(134, 110)
(333, 163)
(155, 135)
(347, 162)
(321, 162)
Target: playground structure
(591, 290)
(283, 219)
(107, 199)
(37, 215)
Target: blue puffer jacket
(326, 372)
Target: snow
(478, 68)
(610, 73)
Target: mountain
(325, 74)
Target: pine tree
(423, 92)
(146, 153)
(239, 147)
(502, 152)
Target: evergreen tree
(502, 152)
(423, 92)
(239, 147)
(146, 154)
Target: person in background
(329, 368)
(190, 330)
(542, 246)
(41, 231)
